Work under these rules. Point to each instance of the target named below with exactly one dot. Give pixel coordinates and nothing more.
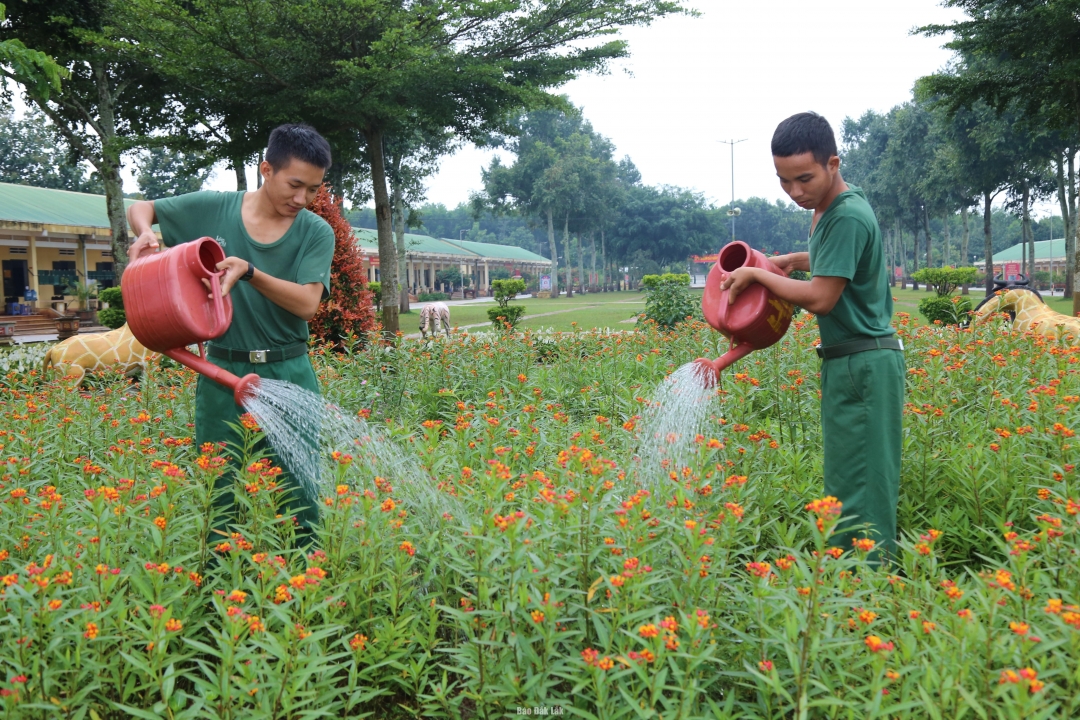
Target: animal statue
(117, 349)
(1029, 313)
(436, 313)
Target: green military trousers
(215, 408)
(862, 405)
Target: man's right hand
(791, 261)
(146, 242)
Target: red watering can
(168, 308)
(756, 319)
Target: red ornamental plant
(349, 310)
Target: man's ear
(834, 163)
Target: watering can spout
(709, 370)
(242, 387)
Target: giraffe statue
(1030, 313)
(117, 349)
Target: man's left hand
(737, 281)
(234, 269)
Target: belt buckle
(901, 344)
(257, 356)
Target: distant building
(1049, 255)
(425, 256)
(51, 238)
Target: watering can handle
(721, 312)
(221, 323)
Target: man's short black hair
(805, 132)
(300, 142)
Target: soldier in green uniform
(277, 271)
(863, 371)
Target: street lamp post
(733, 212)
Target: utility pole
(733, 212)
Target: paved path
(52, 337)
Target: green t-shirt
(302, 255)
(847, 243)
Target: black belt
(257, 357)
(857, 346)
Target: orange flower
(1053, 605)
(867, 616)
(928, 627)
(1020, 628)
(648, 631)
(358, 642)
(759, 569)
(91, 631)
(863, 544)
(237, 596)
(407, 547)
(876, 644)
(173, 625)
(537, 616)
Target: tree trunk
(603, 260)
(241, 175)
(988, 244)
(554, 256)
(109, 168)
(399, 233)
(915, 254)
(581, 264)
(1067, 220)
(964, 242)
(1026, 233)
(594, 280)
(929, 240)
(569, 257)
(388, 265)
(948, 240)
(903, 256)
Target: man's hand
(146, 242)
(738, 280)
(791, 261)
(234, 269)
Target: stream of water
(304, 429)
(681, 408)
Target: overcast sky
(734, 73)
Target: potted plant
(86, 295)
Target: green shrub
(432, 296)
(669, 300)
(505, 291)
(376, 293)
(950, 311)
(114, 315)
(945, 279)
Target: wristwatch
(249, 274)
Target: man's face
(293, 186)
(804, 179)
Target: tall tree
(381, 68)
(1020, 53)
(164, 173)
(109, 101)
(31, 155)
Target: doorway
(16, 279)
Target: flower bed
(541, 571)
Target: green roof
(369, 239)
(466, 249)
(1044, 250)
(492, 251)
(23, 203)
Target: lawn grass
(611, 310)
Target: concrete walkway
(53, 337)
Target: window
(67, 251)
(17, 250)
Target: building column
(487, 278)
(80, 260)
(32, 270)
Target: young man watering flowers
(277, 270)
(862, 371)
